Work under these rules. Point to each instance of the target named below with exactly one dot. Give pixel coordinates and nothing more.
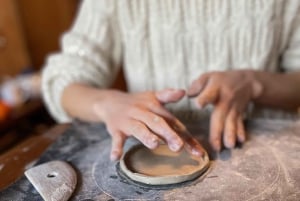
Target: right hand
(143, 116)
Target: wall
(30, 30)
(44, 21)
(13, 50)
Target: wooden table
(22, 123)
(267, 167)
(14, 162)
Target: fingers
(169, 95)
(228, 123)
(161, 111)
(118, 140)
(230, 130)
(193, 146)
(234, 129)
(159, 126)
(217, 121)
(190, 144)
(241, 133)
(198, 85)
(142, 133)
(210, 94)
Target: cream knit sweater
(169, 43)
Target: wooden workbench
(15, 161)
(266, 167)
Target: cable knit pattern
(169, 43)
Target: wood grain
(14, 162)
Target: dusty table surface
(266, 167)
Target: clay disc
(162, 166)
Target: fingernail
(242, 138)
(175, 147)
(196, 152)
(199, 105)
(217, 146)
(114, 157)
(229, 143)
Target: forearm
(279, 90)
(83, 102)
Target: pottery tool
(55, 180)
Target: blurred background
(29, 31)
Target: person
(178, 57)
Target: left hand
(229, 92)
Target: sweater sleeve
(291, 56)
(91, 54)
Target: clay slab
(161, 166)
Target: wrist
(101, 103)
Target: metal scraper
(55, 180)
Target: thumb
(169, 95)
(257, 89)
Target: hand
(143, 116)
(229, 92)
